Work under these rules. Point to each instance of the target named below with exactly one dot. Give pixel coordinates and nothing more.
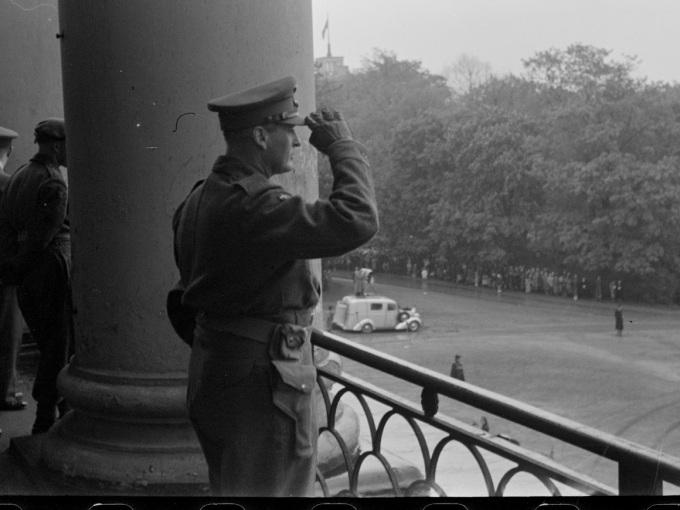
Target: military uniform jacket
(33, 213)
(242, 242)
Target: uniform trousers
(11, 329)
(45, 301)
(248, 442)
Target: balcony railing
(641, 470)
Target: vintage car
(371, 312)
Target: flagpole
(328, 28)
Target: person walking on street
(11, 327)
(618, 320)
(35, 256)
(242, 245)
(457, 369)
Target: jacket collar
(235, 167)
(45, 159)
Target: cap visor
(295, 121)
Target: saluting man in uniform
(242, 245)
(35, 255)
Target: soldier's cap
(256, 106)
(50, 130)
(8, 133)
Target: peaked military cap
(50, 129)
(269, 102)
(8, 133)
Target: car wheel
(367, 328)
(414, 326)
(403, 316)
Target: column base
(127, 430)
(128, 433)
(43, 481)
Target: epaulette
(254, 184)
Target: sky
(501, 32)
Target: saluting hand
(327, 128)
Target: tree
(416, 183)
(583, 70)
(490, 194)
(607, 139)
(573, 166)
(618, 215)
(376, 100)
(509, 94)
(466, 74)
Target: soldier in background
(35, 255)
(10, 318)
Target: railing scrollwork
(631, 458)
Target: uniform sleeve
(50, 212)
(51, 205)
(176, 219)
(292, 228)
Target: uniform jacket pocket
(292, 394)
(295, 375)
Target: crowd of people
(528, 279)
(545, 281)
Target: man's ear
(260, 137)
(9, 151)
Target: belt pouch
(292, 394)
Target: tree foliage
(490, 194)
(575, 165)
(376, 101)
(466, 74)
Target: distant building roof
(332, 67)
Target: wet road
(555, 353)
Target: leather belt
(247, 327)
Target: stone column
(137, 76)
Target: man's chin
(290, 167)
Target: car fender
(404, 325)
(360, 324)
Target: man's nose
(296, 140)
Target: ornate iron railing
(641, 470)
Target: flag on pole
(325, 29)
